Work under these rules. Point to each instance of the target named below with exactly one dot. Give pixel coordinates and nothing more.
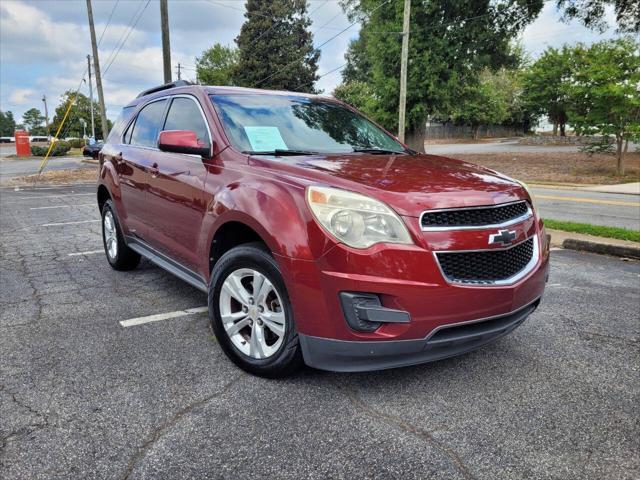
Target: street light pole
(46, 115)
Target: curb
(602, 248)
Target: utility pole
(46, 115)
(166, 47)
(179, 73)
(96, 69)
(93, 123)
(403, 70)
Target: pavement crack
(25, 429)
(157, 432)
(399, 422)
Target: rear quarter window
(120, 123)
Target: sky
(44, 44)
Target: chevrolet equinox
(318, 237)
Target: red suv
(318, 237)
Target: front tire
(251, 314)
(119, 255)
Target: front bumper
(406, 279)
(443, 342)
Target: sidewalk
(590, 243)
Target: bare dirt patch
(558, 167)
(55, 177)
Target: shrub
(603, 144)
(59, 148)
(76, 143)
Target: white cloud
(29, 35)
(21, 96)
(44, 43)
(549, 31)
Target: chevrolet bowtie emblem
(505, 237)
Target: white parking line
(161, 316)
(63, 206)
(68, 223)
(90, 252)
(21, 199)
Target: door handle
(153, 170)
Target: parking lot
(90, 387)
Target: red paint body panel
(177, 203)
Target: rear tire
(119, 255)
(251, 314)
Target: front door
(133, 165)
(175, 195)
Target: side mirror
(182, 141)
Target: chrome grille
(474, 217)
(487, 266)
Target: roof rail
(177, 83)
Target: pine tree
(276, 47)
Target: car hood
(408, 183)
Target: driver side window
(184, 114)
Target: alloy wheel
(110, 235)
(252, 314)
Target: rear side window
(184, 114)
(147, 125)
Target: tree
(483, 104)
(276, 47)
(80, 109)
(32, 120)
(450, 42)
(7, 124)
(215, 65)
(545, 86)
(591, 13)
(604, 92)
(357, 94)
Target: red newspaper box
(23, 149)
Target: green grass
(596, 230)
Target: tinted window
(266, 122)
(147, 126)
(184, 114)
(121, 121)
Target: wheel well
(228, 236)
(103, 196)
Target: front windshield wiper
(379, 151)
(280, 152)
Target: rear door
(175, 195)
(133, 165)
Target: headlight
(526, 187)
(355, 219)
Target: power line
(108, 21)
(323, 75)
(124, 32)
(127, 37)
(318, 47)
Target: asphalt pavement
(501, 146)
(597, 208)
(18, 167)
(82, 396)
(498, 146)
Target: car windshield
(262, 123)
